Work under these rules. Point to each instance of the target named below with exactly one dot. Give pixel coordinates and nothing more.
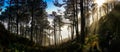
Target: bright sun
(100, 2)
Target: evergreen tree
(1, 4)
(21, 13)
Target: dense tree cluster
(24, 26)
(26, 18)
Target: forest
(59, 25)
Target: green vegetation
(111, 24)
(101, 36)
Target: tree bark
(82, 24)
(76, 21)
(55, 33)
(32, 15)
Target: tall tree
(54, 26)
(1, 4)
(23, 15)
(82, 40)
(70, 14)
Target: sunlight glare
(100, 2)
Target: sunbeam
(100, 2)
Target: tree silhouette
(19, 16)
(56, 3)
(1, 4)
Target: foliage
(92, 43)
(11, 41)
(1, 4)
(110, 24)
(107, 30)
(26, 18)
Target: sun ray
(100, 2)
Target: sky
(51, 7)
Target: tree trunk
(17, 17)
(32, 15)
(82, 24)
(76, 21)
(9, 28)
(59, 30)
(73, 19)
(55, 33)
